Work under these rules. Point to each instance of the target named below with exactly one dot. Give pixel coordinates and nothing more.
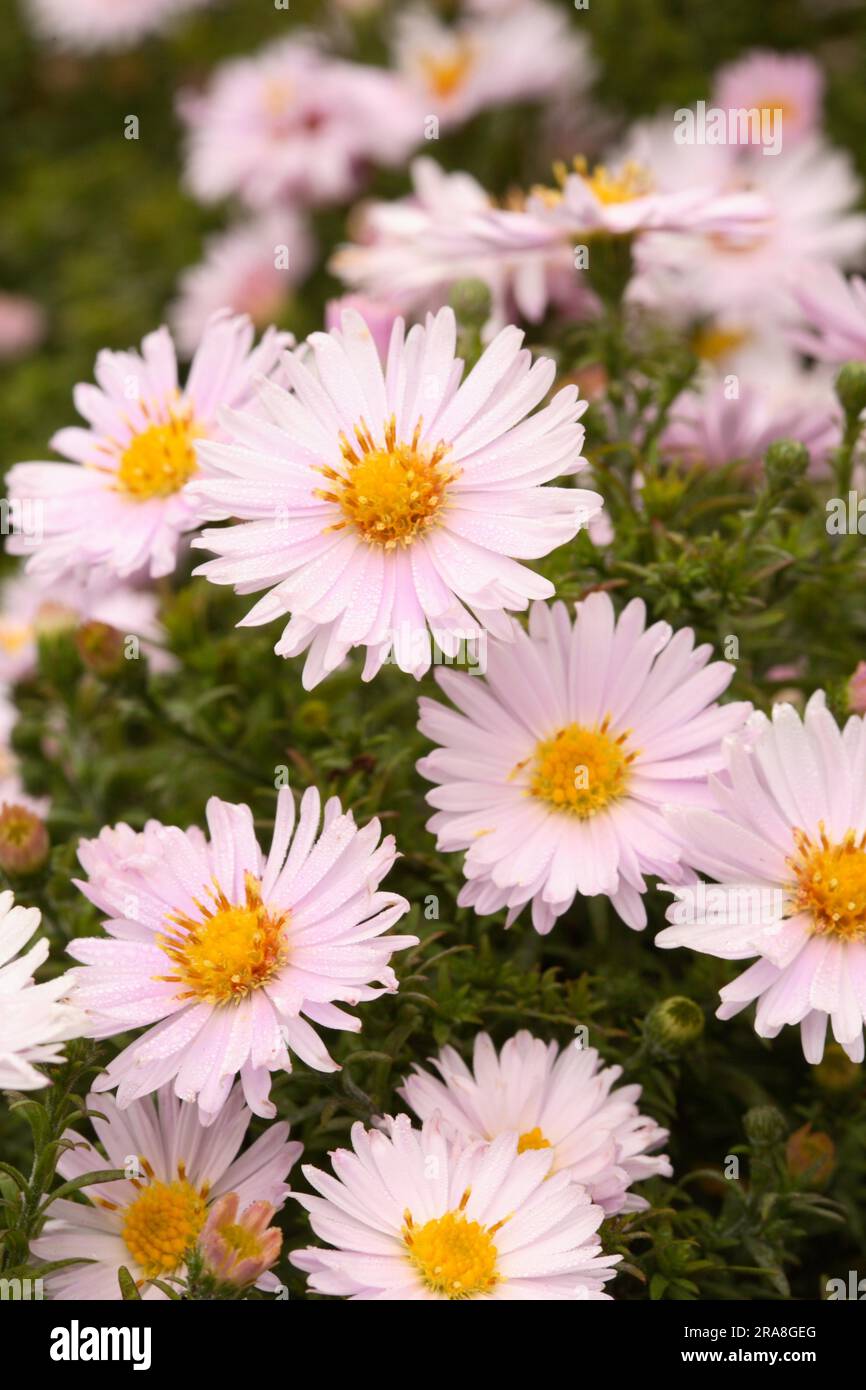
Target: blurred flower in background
(93, 24)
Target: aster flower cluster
(439, 683)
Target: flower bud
(810, 1155)
(100, 648)
(24, 842)
(785, 463)
(673, 1024)
(851, 388)
(764, 1126)
(471, 302)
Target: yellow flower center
(232, 951)
(14, 636)
(161, 1225)
(580, 770)
(446, 74)
(713, 344)
(391, 493)
(160, 460)
(532, 1139)
(632, 181)
(455, 1257)
(831, 884)
(245, 1243)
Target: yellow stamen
(232, 951)
(580, 770)
(160, 460)
(445, 74)
(532, 1139)
(390, 494)
(161, 1225)
(830, 884)
(455, 1257)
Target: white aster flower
(380, 505)
(555, 770)
(95, 24)
(32, 1020)
(552, 1099)
(415, 1216)
(789, 825)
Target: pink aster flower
(376, 504)
(234, 956)
(123, 502)
(415, 1216)
(809, 194)
(93, 24)
(29, 610)
(291, 123)
(528, 52)
(415, 249)
(788, 823)
(249, 269)
(33, 1020)
(554, 770)
(765, 81)
(558, 1101)
(22, 325)
(710, 427)
(835, 310)
(179, 1174)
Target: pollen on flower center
(161, 1225)
(831, 884)
(532, 1139)
(232, 951)
(455, 1257)
(580, 770)
(391, 493)
(160, 460)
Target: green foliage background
(96, 228)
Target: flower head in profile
(121, 505)
(790, 83)
(554, 769)
(179, 1177)
(234, 956)
(240, 1248)
(251, 268)
(415, 249)
(414, 1215)
(785, 841)
(625, 197)
(561, 1101)
(291, 124)
(33, 1020)
(95, 24)
(382, 501)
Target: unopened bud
(24, 842)
(673, 1024)
(764, 1126)
(100, 648)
